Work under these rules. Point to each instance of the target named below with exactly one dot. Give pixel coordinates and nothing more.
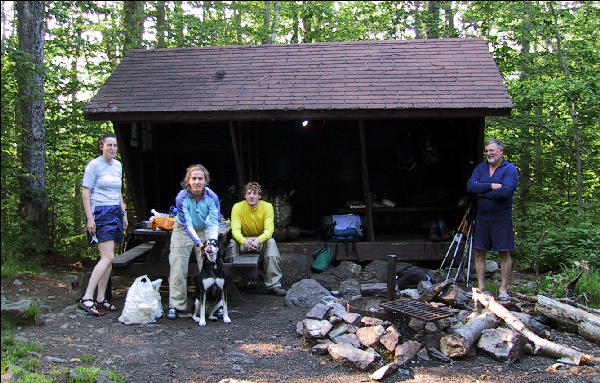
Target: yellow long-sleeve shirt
(248, 222)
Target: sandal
(503, 297)
(92, 310)
(105, 304)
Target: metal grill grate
(416, 309)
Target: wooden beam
(129, 155)
(283, 115)
(365, 181)
(236, 154)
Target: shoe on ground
(278, 291)
(174, 313)
(504, 297)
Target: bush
(588, 286)
(569, 237)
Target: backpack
(409, 277)
(322, 260)
(341, 228)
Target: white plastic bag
(143, 303)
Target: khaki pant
(179, 257)
(269, 257)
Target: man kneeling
(252, 229)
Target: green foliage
(85, 375)
(17, 352)
(87, 358)
(570, 236)
(116, 377)
(13, 266)
(553, 134)
(588, 286)
(33, 311)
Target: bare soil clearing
(260, 345)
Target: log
(458, 342)
(430, 295)
(564, 353)
(538, 328)
(577, 320)
(573, 303)
(502, 344)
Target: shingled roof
(373, 78)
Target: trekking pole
(465, 251)
(470, 258)
(456, 238)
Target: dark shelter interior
(417, 168)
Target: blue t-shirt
(494, 204)
(105, 181)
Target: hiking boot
(278, 291)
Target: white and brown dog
(210, 286)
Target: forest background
(547, 51)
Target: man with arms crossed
(494, 183)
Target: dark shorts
(496, 235)
(109, 224)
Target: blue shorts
(496, 235)
(109, 224)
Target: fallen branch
(570, 288)
(573, 303)
(543, 346)
(577, 320)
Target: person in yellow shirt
(252, 226)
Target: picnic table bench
(147, 252)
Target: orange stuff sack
(162, 223)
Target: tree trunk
(573, 110)
(458, 343)
(33, 204)
(566, 354)
(160, 25)
(433, 19)
(133, 23)
(178, 25)
(577, 320)
(267, 23)
(449, 16)
(525, 158)
(296, 24)
(307, 22)
(275, 21)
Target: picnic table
(147, 252)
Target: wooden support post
(236, 156)
(365, 181)
(391, 277)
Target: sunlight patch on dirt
(265, 349)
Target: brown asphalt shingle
(412, 74)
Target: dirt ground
(259, 346)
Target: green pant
(179, 258)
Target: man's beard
(494, 160)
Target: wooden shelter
(365, 121)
